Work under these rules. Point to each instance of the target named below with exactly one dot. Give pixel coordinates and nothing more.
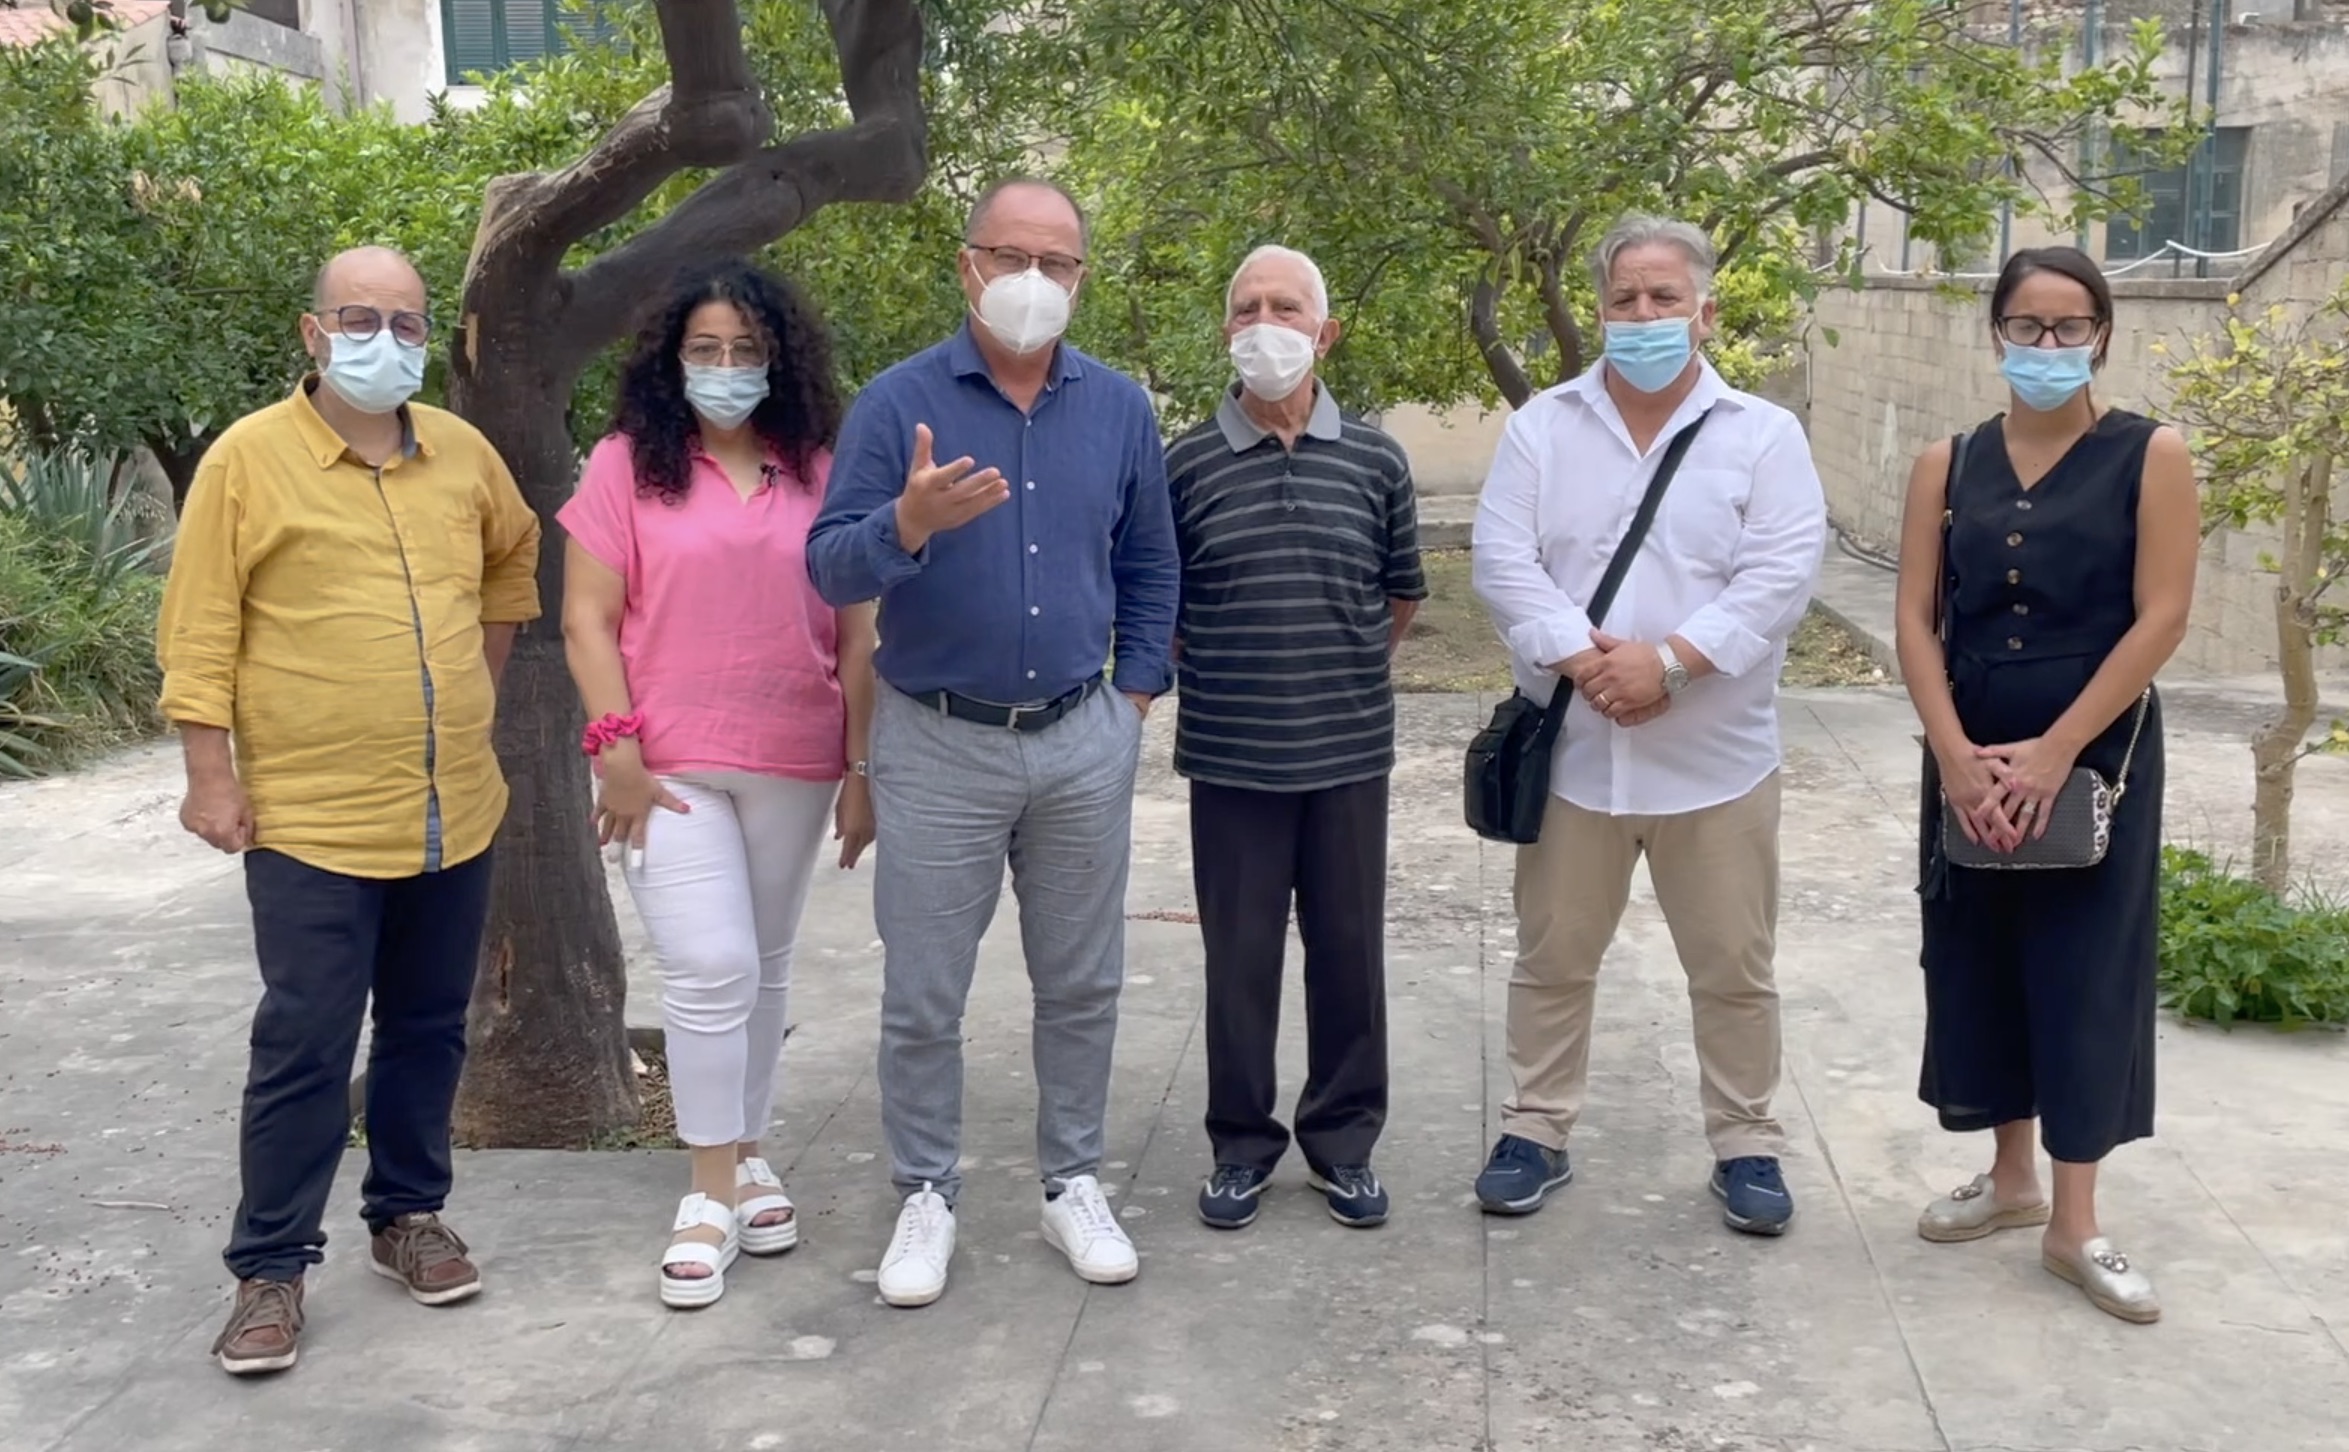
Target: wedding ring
(2029, 808)
(1602, 698)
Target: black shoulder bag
(1508, 767)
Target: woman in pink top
(726, 703)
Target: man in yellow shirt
(350, 571)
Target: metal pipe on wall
(2006, 209)
(2091, 53)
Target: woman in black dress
(2072, 535)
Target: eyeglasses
(1007, 261)
(359, 323)
(710, 353)
(2027, 332)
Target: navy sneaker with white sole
(1228, 1200)
(1754, 1193)
(1520, 1176)
(1355, 1196)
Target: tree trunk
(547, 1041)
(1484, 321)
(178, 456)
(2277, 748)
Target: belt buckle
(1011, 717)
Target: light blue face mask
(2045, 379)
(1650, 355)
(373, 375)
(724, 396)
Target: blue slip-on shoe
(1355, 1196)
(1228, 1200)
(1755, 1194)
(1520, 1176)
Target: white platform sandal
(756, 1174)
(686, 1292)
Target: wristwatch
(1675, 674)
(865, 768)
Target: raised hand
(939, 497)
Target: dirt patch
(1452, 646)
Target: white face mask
(1273, 361)
(373, 375)
(1026, 311)
(725, 396)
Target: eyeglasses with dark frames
(2028, 332)
(359, 322)
(1010, 261)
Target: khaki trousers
(1716, 878)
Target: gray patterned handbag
(2079, 821)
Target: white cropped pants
(721, 889)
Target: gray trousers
(952, 802)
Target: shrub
(2232, 950)
(78, 597)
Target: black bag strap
(1554, 715)
(1942, 604)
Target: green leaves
(2232, 950)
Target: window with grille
(2169, 200)
(479, 37)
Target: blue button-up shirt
(1021, 604)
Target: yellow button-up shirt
(329, 615)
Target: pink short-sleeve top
(732, 656)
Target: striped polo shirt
(1289, 562)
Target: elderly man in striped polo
(1300, 560)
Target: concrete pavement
(1622, 1317)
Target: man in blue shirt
(1006, 576)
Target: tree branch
(710, 114)
(1484, 320)
(880, 157)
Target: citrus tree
(2266, 402)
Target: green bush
(2231, 950)
(78, 597)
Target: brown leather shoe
(264, 1332)
(427, 1257)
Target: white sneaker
(913, 1272)
(1082, 1227)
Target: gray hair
(1272, 252)
(1638, 229)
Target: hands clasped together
(1622, 679)
(2005, 794)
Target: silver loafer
(1970, 1212)
(2116, 1287)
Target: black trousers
(1252, 854)
(326, 942)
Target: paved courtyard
(1622, 1317)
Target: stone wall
(1912, 363)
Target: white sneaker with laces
(1081, 1226)
(913, 1271)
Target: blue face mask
(1650, 355)
(725, 396)
(373, 375)
(2046, 378)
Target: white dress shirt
(1728, 566)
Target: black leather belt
(1014, 718)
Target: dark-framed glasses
(359, 323)
(2068, 332)
(1011, 261)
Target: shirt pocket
(1703, 518)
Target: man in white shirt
(1671, 748)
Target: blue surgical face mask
(2046, 378)
(724, 396)
(373, 375)
(1650, 355)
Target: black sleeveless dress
(2039, 985)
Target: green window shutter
(471, 38)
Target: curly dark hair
(799, 415)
